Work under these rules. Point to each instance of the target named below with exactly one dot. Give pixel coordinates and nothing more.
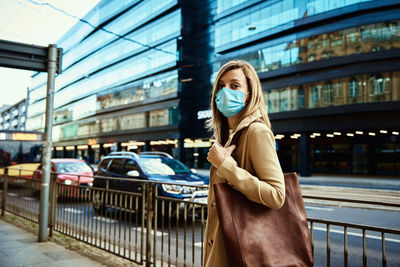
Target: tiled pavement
(19, 247)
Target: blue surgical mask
(230, 102)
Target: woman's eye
(236, 86)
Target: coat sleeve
(268, 186)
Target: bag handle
(239, 133)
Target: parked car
(149, 166)
(69, 172)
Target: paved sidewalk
(18, 247)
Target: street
(121, 233)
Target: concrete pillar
(305, 155)
(147, 146)
(181, 152)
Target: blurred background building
(14, 117)
(137, 75)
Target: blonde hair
(218, 123)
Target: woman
(237, 104)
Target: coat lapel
(243, 124)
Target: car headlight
(173, 189)
(67, 182)
(188, 189)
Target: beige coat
(259, 178)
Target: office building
(138, 76)
(134, 74)
(330, 71)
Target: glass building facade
(120, 86)
(330, 75)
(141, 79)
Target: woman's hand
(217, 154)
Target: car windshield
(72, 167)
(162, 166)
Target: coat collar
(244, 123)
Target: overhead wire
(190, 61)
(100, 28)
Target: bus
(20, 150)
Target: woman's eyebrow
(235, 80)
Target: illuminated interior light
(172, 142)
(329, 135)
(312, 136)
(316, 134)
(157, 143)
(109, 145)
(359, 132)
(95, 146)
(350, 134)
(372, 134)
(70, 148)
(59, 148)
(83, 147)
(395, 133)
(136, 143)
(383, 131)
(294, 137)
(337, 133)
(186, 80)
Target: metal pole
(47, 144)
(4, 196)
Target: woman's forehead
(235, 74)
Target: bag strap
(239, 133)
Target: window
(361, 39)
(353, 89)
(327, 94)
(104, 164)
(116, 166)
(130, 165)
(362, 88)
(314, 97)
(376, 85)
(300, 98)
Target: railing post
(149, 213)
(4, 195)
(53, 201)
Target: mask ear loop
(247, 99)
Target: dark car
(149, 166)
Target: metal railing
(148, 227)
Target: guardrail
(151, 229)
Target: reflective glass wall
(267, 15)
(362, 39)
(115, 122)
(366, 88)
(127, 62)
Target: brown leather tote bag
(256, 235)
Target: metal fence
(151, 229)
